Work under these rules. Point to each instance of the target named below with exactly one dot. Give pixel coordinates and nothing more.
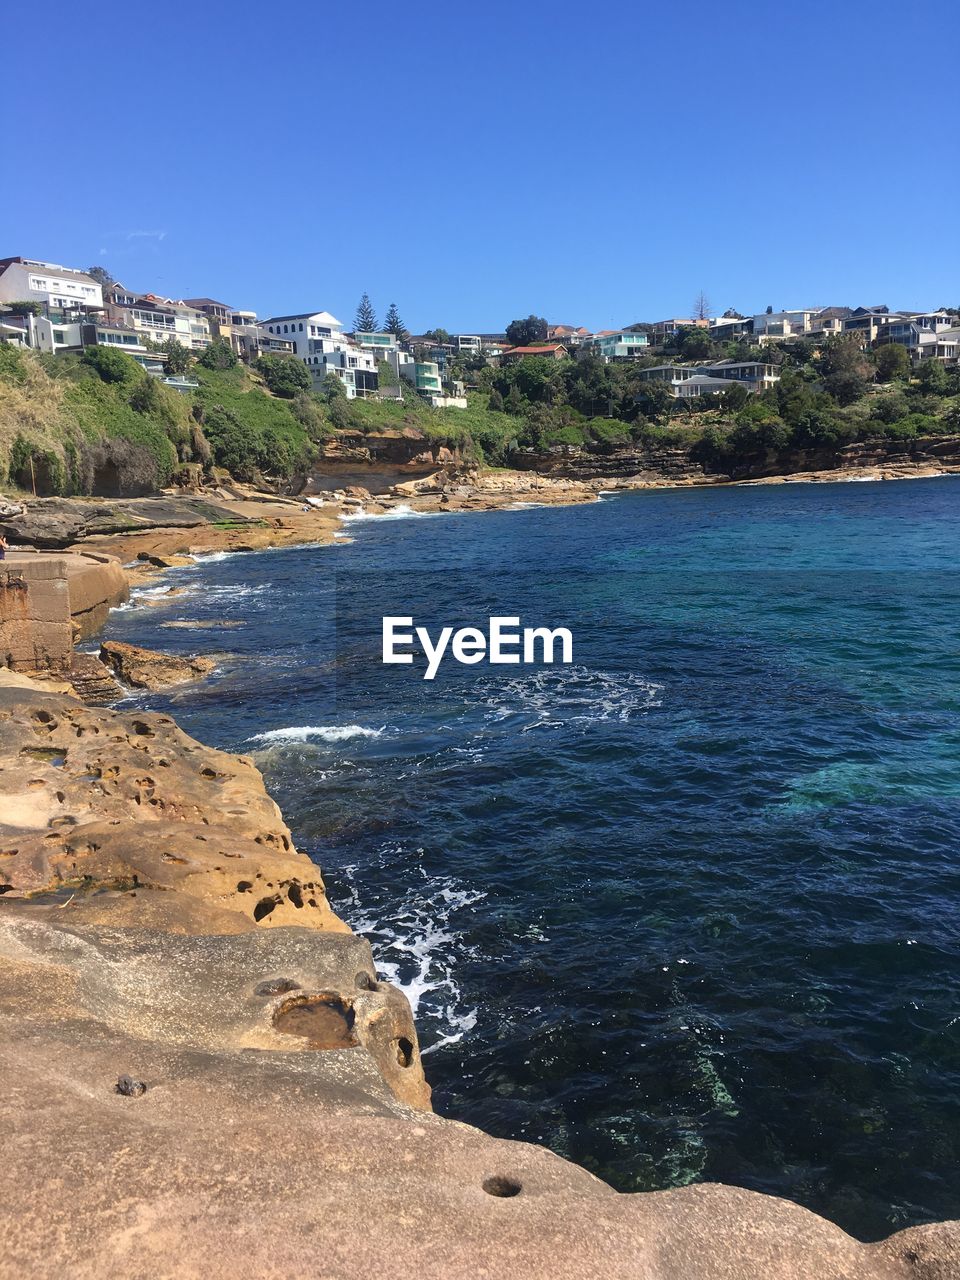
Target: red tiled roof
(537, 350)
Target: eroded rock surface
(201, 1074)
(147, 669)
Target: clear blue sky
(597, 165)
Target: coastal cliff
(203, 1073)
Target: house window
(285, 329)
(301, 326)
(59, 336)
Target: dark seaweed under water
(685, 910)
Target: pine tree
(393, 322)
(366, 318)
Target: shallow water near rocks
(684, 910)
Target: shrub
(284, 375)
(111, 365)
(219, 355)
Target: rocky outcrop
(58, 522)
(202, 1075)
(115, 822)
(147, 669)
(652, 467)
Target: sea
(684, 909)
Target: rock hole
(324, 1021)
(48, 755)
(264, 907)
(295, 896)
(143, 729)
(365, 982)
(502, 1186)
(405, 1057)
(244, 886)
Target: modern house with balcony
(317, 338)
(57, 290)
(686, 381)
(616, 344)
(379, 345)
(919, 333)
(157, 319)
(869, 322)
(427, 379)
(731, 328)
(775, 326)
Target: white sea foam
(417, 944)
(554, 696)
(400, 512)
(325, 732)
(213, 557)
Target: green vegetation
(285, 376)
(366, 318)
(522, 333)
(97, 423)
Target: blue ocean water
(687, 909)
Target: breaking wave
(325, 732)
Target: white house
(616, 344)
(52, 286)
(318, 340)
(425, 377)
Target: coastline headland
(203, 1073)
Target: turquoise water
(686, 909)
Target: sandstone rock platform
(202, 1075)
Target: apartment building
(56, 289)
(157, 319)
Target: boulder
(146, 669)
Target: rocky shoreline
(203, 1073)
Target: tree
(892, 362)
(731, 314)
(102, 276)
(366, 318)
(496, 401)
(521, 333)
(218, 355)
(439, 337)
(393, 322)
(284, 375)
(932, 377)
(332, 388)
(339, 411)
(176, 357)
(701, 307)
(111, 364)
(654, 399)
(847, 370)
(694, 344)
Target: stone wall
(49, 601)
